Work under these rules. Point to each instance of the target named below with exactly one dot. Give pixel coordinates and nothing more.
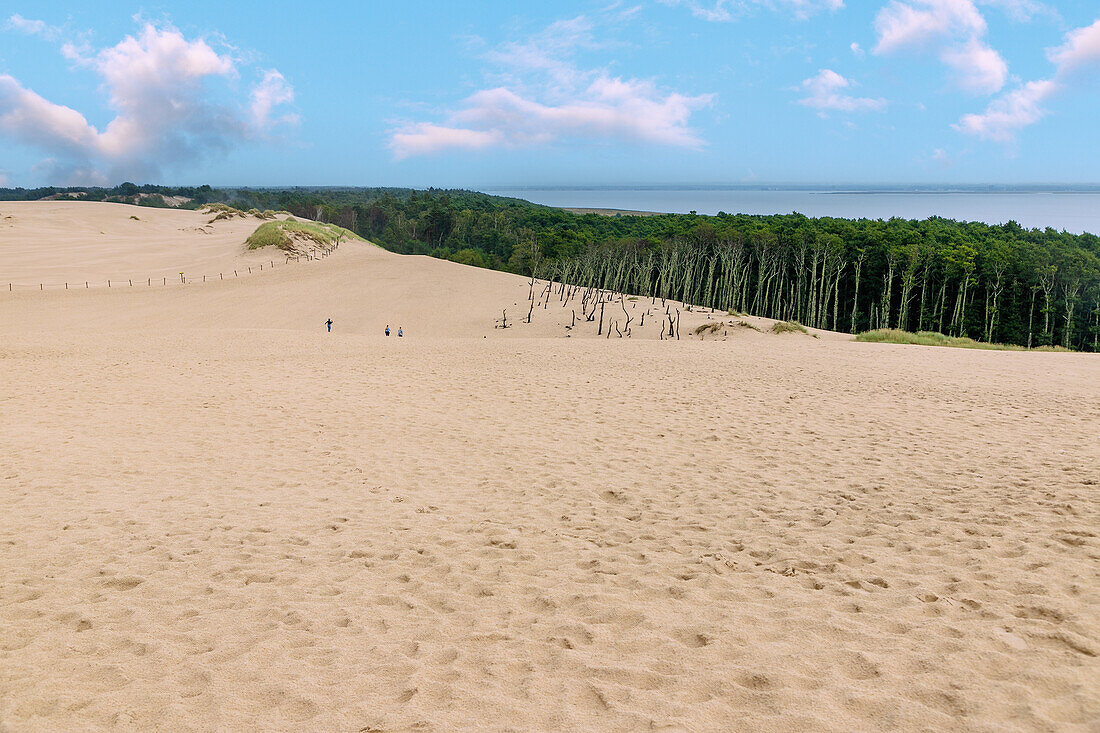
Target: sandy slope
(55, 242)
(216, 516)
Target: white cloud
(916, 22)
(955, 28)
(548, 52)
(272, 91)
(980, 69)
(722, 11)
(825, 92)
(1082, 47)
(29, 118)
(32, 27)
(155, 83)
(424, 138)
(857, 50)
(1021, 10)
(1004, 117)
(607, 109)
(1022, 107)
(547, 98)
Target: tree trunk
(855, 296)
(1031, 316)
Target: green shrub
(468, 256)
(708, 328)
(933, 338)
(285, 234)
(788, 327)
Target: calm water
(1074, 212)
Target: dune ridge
(216, 515)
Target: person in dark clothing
(387, 330)
(400, 332)
(328, 323)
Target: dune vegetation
(286, 234)
(788, 327)
(990, 283)
(933, 338)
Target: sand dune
(218, 517)
(362, 289)
(51, 243)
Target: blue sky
(484, 94)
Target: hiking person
(328, 323)
(387, 329)
(400, 332)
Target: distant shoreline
(1081, 189)
(610, 212)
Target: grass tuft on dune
(285, 234)
(933, 338)
(788, 327)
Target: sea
(1075, 211)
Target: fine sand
(216, 516)
(58, 242)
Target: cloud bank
(1022, 107)
(954, 29)
(156, 84)
(547, 98)
(723, 11)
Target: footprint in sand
(123, 583)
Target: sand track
(216, 516)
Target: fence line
(314, 254)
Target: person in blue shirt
(328, 323)
(387, 330)
(400, 332)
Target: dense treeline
(125, 193)
(992, 283)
